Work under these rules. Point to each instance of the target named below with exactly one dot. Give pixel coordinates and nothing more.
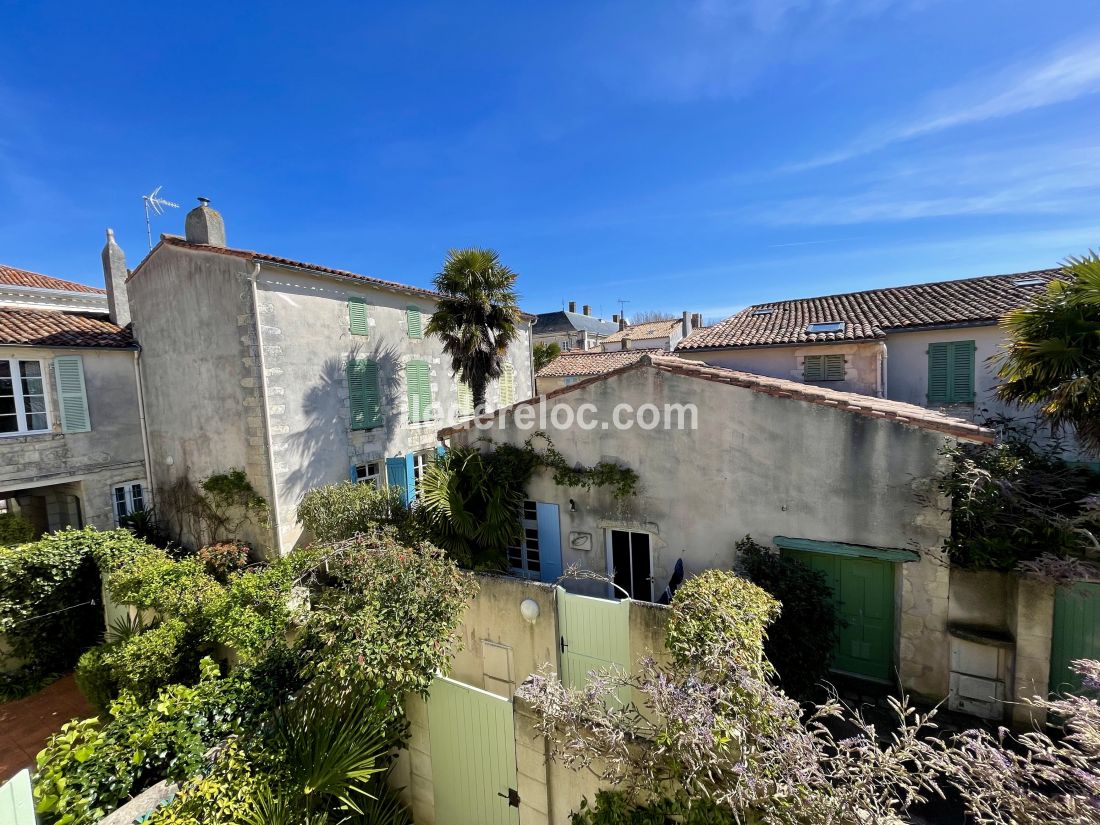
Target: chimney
(114, 278)
(697, 320)
(622, 322)
(626, 343)
(615, 318)
(572, 306)
(685, 325)
(204, 225)
(587, 309)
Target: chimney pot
(572, 306)
(622, 322)
(114, 280)
(615, 318)
(587, 309)
(685, 324)
(204, 225)
(697, 320)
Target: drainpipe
(275, 515)
(531, 353)
(885, 354)
(144, 425)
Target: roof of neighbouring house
(563, 321)
(849, 402)
(10, 276)
(649, 329)
(591, 362)
(263, 257)
(51, 328)
(871, 314)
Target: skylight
(1028, 282)
(763, 311)
(826, 326)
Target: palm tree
(477, 317)
(1053, 353)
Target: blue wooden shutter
(353, 473)
(440, 450)
(364, 395)
(72, 397)
(358, 323)
(549, 526)
(415, 322)
(410, 474)
(399, 474)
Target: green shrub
(614, 808)
(718, 614)
(49, 603)
(802, 640)
(14, 529)
(154, 581)
(221, 795)
(88, 769)
(95, 677)
(339, 511)
(224, 558)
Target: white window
(369, 473)
(566, 344)
(129, 499)
(420, 466)
(523, 551)
(22, 397)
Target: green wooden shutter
(834, 368)
(465, 399)
(419, 385)
(364, 395)
(358, 323)
(415, 322)
(951, 372)
(425, 393)
(813, 368)
(72, 397)
(507, 385)
(17, 800)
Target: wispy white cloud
(1070, 73)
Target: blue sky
(696, 155)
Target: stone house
(572, 330)
(847, 482)
(927, 344)
(571, 367)
(662, 335)
(301, 374)
(71, 449)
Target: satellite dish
(155, 203)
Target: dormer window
(825, 326)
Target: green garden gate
(594, 634)
(1076, 633)
(473, 749)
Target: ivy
(623, 481)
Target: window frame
(20, 400)
(420, 463)
(363, 474)
(520, 549)
(127, 488)
(950, 349)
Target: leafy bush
(88, 768)
(1015, 501)
(339, 511)
(801, 641)
(49, 594)
(220, 795)
(154, 581)
(14, 529)
(615, 808)
(224, 558)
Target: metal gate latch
(512, 796)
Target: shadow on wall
(317, 454)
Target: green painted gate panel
(595, 635)
(1076, 633)
(473, 747)
(863, 590)
(17, 801)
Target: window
(763, 311)
(358, 320)
(507, 385)
(364, 395)
(566, 344)
(418, 382)
(826, 326)
(420, 466)
(823, 368)
(22, 397)
(523, 552)
(951, 372)
(1028, 282)
(129, 499)
(369, 473)
(416, 325)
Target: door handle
(512, 796)
(562, 643)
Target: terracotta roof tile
(906, 414)
(650, 329)
(591, 362)
(49, 328)
(11, 276)
(871, 314)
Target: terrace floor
(27, 723)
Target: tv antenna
(622, 306)
(155, 203)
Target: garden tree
(477, 316)
(544, 354)
(1053, 353)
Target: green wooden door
(863, 589)
(1076, 633)
(473, 745)
(595, 635)
(17, 801)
